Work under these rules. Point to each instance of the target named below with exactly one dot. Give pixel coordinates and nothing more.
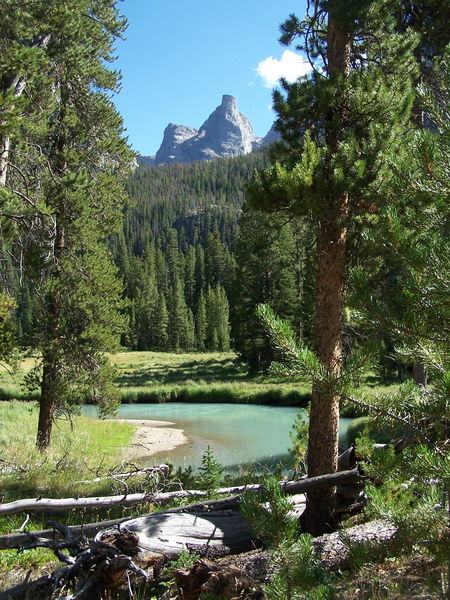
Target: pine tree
(179, 322)
(200, 323)
(267, 264)
(160, 323)
(223, 320)
(339, 128)
(76, 201)
(217, 320)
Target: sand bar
(152, 437)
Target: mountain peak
(229, 103)
(226, 132)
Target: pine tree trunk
(47, 403)
(50, 358)
(331, 263)
(324, 414)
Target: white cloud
(290, 66)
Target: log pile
(211, 528)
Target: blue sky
(181, 56)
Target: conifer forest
(321, 261)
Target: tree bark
(331, 265)
(51, 361)
(47, 402)
(419, 374)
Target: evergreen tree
(200, 323)
(76, 200)
(180, 326)
(160, 324)
(217, 320)
(267, 263)
(339, 127)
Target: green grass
(191, 377)
(79, 450)
(184, 377)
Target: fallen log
(213, 534)
(105, 561)
(52, 504)
(336, 549)
(290, 487)
(17, 540)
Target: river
(239, 434)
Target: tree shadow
(212, 371)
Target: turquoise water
(238, 434)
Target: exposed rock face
(171, 149)
(271, 137)
(226, 132)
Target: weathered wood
(207, 533)
(157, 470)
(335, 549)
(89, 569)
(290, 487)
(216, 532)
(51, 504)
(322, 482)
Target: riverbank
(151, 437)
(195, 377)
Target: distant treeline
(196, 260)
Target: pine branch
(393, 416)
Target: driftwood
(89, 569)
(214, 534)
(290, 487)
(147, 471)
(52, 504)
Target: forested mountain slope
(177, 257)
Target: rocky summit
(226, 132)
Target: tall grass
(79, 450)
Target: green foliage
(66, 161)
(268, 514)
(7, 306)
(410, 489)
(295, 359)
(274, 267)
(378, 433)
(300, 573)
(299, 440)
(210, 472)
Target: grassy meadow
(186, 377)
(182, 377)
(81, 449)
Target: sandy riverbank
(151, 437)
